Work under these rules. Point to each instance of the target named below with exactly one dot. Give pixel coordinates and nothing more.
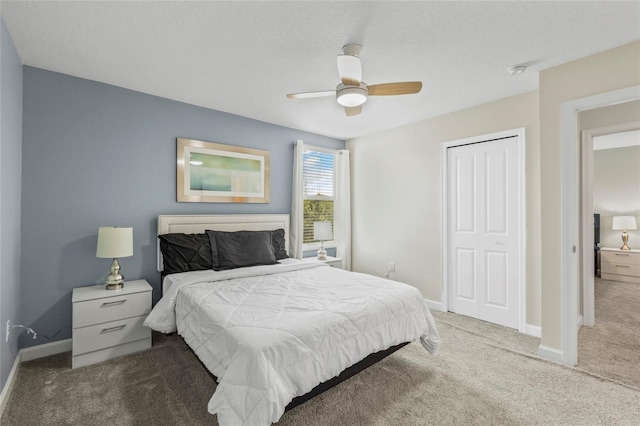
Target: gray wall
(10, 172)
(99, 155)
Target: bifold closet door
(483, 231)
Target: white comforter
(271, 333)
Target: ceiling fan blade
(350, 69)
(305, 95)
(387, 89)
(353, 110)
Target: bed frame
(191, 224)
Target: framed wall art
(215, 173)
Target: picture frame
(209, 172)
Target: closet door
(483, 231)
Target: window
(319, 177)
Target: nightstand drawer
(620, 268)
(620, 257)
(107, 309)
(95, 337)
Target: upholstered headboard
(195, 224)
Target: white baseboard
(28, 354)
(436, 306)
(8, 386)
(40, 351)
(551, 354)
(533, 330)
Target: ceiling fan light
(351, 96)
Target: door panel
(496, 281)
(466, 274)
(496, 172)
(483, 231)
(466, 194)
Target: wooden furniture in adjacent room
(108, 323)
(620, 265)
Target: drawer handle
(622, 254)
(116, 328)
(623, 266)
(117, 302)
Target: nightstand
(334, 262)
(620, 265)
(108, 323)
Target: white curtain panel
(297, 201)
(343, 195)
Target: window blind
(318, 176)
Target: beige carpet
(484, 374)
(611, 348)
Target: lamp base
(114, 281)
(322, 253)
(625, 240)
(117, 286)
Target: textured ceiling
(244, 57)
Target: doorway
(571, 218)
(608, 342)
(611, 202)
(483, 228)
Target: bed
(275, 333)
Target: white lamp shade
(114, 242)
(622, 223)
(322, 231)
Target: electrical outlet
(392, 267)
(6, 334)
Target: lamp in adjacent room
(322, 232)
(624, 223)
(114, 243)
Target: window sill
(316, 246)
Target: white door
(483, 226)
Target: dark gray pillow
(279, 246)
(241, 248)
(185, 252)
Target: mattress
(271, 333)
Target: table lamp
(114, 243)
(322, 232)
(622, 223)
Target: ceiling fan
(353, 92)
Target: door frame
(519, 134)
(570, 210)
(588, 281)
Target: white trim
(436, 306)
(550, 354)
(8, 386)
(570, 210)
(519, 133)
(588, 264)
(47, 349)
(533, 330)
(29, 354)
(588, 281)
(321, 149)
(444, 200)
(580, 321)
